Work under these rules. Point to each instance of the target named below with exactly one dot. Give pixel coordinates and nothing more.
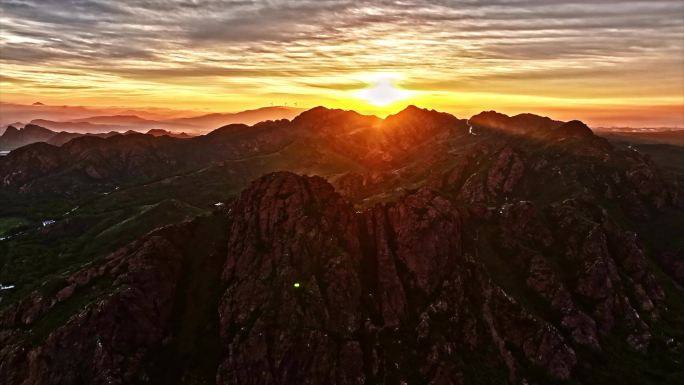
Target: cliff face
(405, 292)
(387, 295)
(291, 284)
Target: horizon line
(299, 109)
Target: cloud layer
(256, 52)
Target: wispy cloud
(311, 49)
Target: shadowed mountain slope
(429, 250)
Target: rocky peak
(574, 128)
(324, 114)
(11, 130)
(161, 132)
(413, 116)
(522, 124)
(158, 132)
(332, 121)
(228, 129)
(581, 139)
(489, 118)
(33, 129)
(411, 111)
(13, 138)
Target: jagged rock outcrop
(313, 291)
(521, 124)
(379, 143)
(370, 285)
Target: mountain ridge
(14, 138)
(366, 138)
(73, 118)
(345, 249)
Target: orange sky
(607, 63)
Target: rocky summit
(339, 248)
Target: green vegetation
(62, 312)
(102, 217)
(44, 253)
(10, 225)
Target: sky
(608, 63)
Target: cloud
(306, 46)
(94, 26)
(9, 79)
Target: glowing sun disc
(383, 92)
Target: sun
(383, 91)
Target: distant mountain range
(88, 120)
(211, 121)
(14, 137)
(41, 130)
(12, 112)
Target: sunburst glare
(384, 91)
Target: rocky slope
(478, 252)
(309, 290)
(365, 140)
